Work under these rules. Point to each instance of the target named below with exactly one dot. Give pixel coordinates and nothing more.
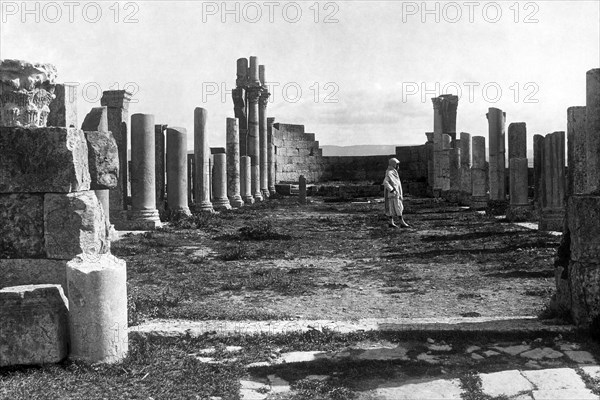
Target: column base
(236, 201)
(203, 207)
(248, 199)
(519, 212)
(464, 199)
(139, 220)
(437, 193)
(479, 202)
(265, 193)
(451, 196)
(551, 219)
(182, 210)
(221, 204)
(258, 196)
(272, 191)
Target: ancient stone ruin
(63, 293)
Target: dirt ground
(339, 261)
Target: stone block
(63, 108)
(98, 308)
(584, 225)
(42, 160)
(103, 160)
(34, 328)
(33, 271)
(21, 225)
(74, 223)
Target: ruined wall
(296, 153)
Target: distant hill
(359, 150)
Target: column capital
(254, 94)
(116, 99)
(264, 98)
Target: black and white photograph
(300, 200)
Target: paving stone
(317, 377)
(471, 349)
(592, 370)
(398, 353)
(438, 389)
(581, 357)
(278, 385)
(533, 364)
(525, 396)
(509, 383)
(565, 394)
(569, 346)
(428, 358)
(555, 379)
(513, 350)
(248, 394)
(476, 356)
(490, 353)
(439, 347)
(540, 353)
(301, 356)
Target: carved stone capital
(254, 94)
(264, 98)
(116, 99)
(26, 90)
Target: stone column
(302, 190)
(496, 120)
(576, 151)
(239, 103)
(220, 200)
(233, 163)
(465, 168)
(97, 121)
(191, 169)
(201, 161)
(454, 172)
(254, 91)
(97, 308)
(430, 164)
(553, 175)
(479, 175)
(177, 200)
(538, 149)
(444, 156)
(262, 130)
(246, 180)
(592, 127)
(518, 172)
(437, 147)
(144, 214)
(159, 136)
(117, 104)
(270, 156)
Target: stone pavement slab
(434, 390)
(508, 383)
(564, 394)
(554, 379)
(580, 357)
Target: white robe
(393, 204)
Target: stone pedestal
(271, 178)
(143, 214)
(576, 151)
(497, 163)
(246, 180)
(553, 176)
(177, 170)
(201, 161)
(34, 325)
(97, 308)
(453, 195)
(302, 190)
(479, 175)
(592, 128)
(444, 165)
(233, 164)
(219, 181)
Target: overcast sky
(353, 72)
